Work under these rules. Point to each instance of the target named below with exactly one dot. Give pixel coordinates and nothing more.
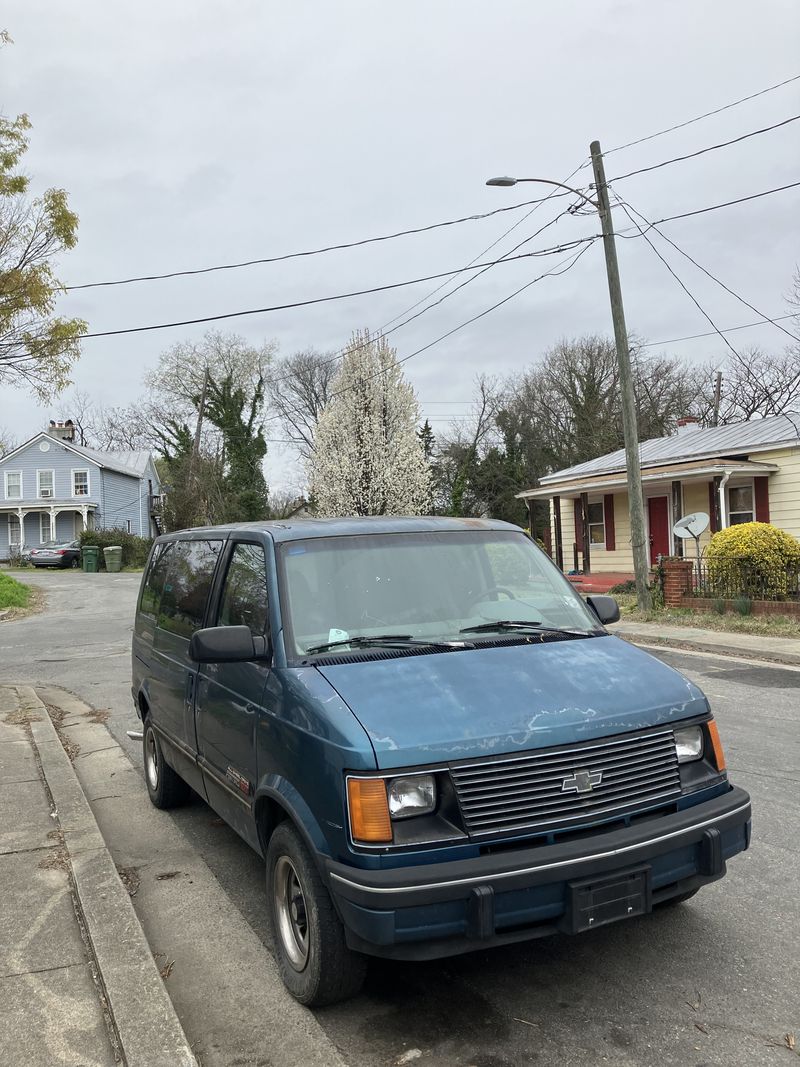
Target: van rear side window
(154, 582)
(189, 574)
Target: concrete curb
(148, 1028)
(791, 659)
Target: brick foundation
(759, 607)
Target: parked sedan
(57, 554)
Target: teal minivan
(434, 742)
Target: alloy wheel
(291, 913)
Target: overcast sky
(192, 133)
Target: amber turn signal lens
(369, 810)
(716, 744)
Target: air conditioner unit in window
(45, 493)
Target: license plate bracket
(593, 902)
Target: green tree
(236, 414)
(37, 347)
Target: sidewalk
(78, 982)
(719, 642)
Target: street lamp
(632, 462)
(505, 182)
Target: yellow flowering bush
(764, 559)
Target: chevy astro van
(429, 736)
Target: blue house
(52, 488)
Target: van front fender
(273, 789)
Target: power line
(702, 151)
(713, 333)
(705, 115)
(714, 207)
(708, 273)
(694, 300)
(338, 296)
(553, 272)
(310, 252)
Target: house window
(597, 524)
(80, 483)
(45, 529)
(13, 485)
(45, 483)
(740, 505)
(14, 531)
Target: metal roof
(735, 439)
(132, 463)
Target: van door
(182, 609)
(230, 695)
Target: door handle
(189, 688)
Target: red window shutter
(578, 525)
(761, 493)
(608, 515)
(712, 506)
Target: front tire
(307, 935)
(165, 787)
(679, 899)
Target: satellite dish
(691, 525)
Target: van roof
(296, 529)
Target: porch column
(531, 518)
(677, 513)
(556, 504)
(84, 513)
(587, 563)
(53, 524)
(21, 517)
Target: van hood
(425, 709)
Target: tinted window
(244, 598)
(154, 582)
(190, 571)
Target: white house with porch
(742, 472)
(52, 488)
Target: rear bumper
(442, 909)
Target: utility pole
(635, 495)
(717, 398)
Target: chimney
(687, 424)
(62, 431)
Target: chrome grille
(529, 792)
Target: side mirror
(226, 644)
(605, 608)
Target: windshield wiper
(503, 625)
(376, 640)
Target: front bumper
(443, 909)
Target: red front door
(658, 518)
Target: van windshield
(443, 586)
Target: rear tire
(165, 787)
(307, 935)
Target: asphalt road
(714, 981)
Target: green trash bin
(113, 556)
(90, 558)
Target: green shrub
(763, 559)
(744, 605)
(134, 549)
(623, 587)
(719, 607)
(13, 594)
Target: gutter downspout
(723, 515)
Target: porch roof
(46, 504)
(705, 470)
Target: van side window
(244, 596)
(190, 572)
(154, 582)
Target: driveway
(714, 981)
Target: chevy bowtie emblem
(581, 781)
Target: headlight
(689, 743)
(411, 796)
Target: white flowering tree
(367, 457)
